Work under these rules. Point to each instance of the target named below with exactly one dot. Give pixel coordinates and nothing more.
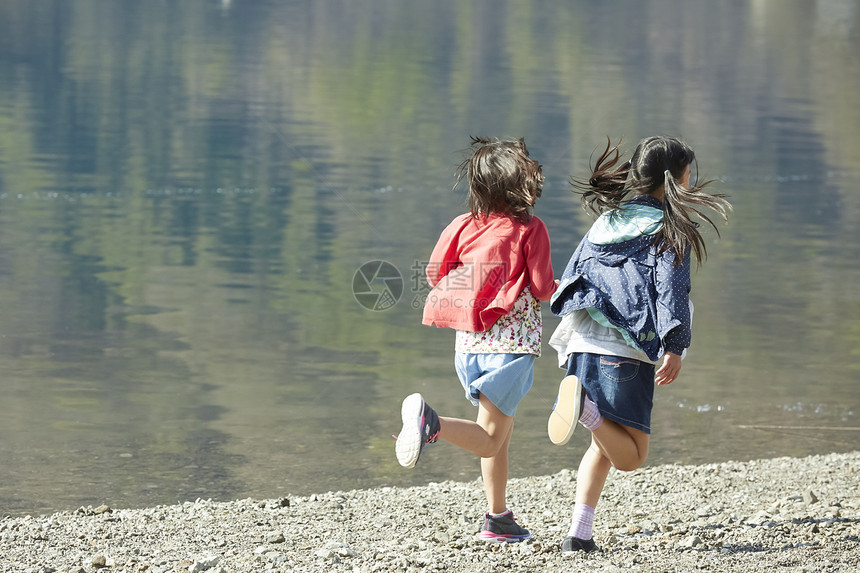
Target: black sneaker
(420, 426)
(574, 544)
(566, 411)
(502, 529)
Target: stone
(204, 564)
(691, 541)
(276, 537)
(343, 550)
(442, 537)
(325, 553)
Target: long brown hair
(502, 178)
(657, 163)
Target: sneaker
(574, 544)
(420, 426)
(565, 411)
(502, 529)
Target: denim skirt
(503, 378)
(622, 388)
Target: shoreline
(796, 514)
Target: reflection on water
(187, 190)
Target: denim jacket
(643, 294)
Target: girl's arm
(673, 313)
(539, 263)
(673, 302)
(668, 372)
(444, 256)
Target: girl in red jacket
(489, 271)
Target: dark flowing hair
(657, 163)
(502, 178)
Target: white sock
(582, 523)
(590, 417)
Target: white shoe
(420, 426)
(566, 411)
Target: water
(188, 189)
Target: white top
(578, 332)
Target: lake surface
(188, 190)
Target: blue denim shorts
(622, 388)
(503, 378)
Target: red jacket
(480, 266)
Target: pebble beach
(784, 514)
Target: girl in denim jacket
(624, 299)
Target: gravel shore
(786, 514)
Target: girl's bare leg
(494, 469)
(611, 445)
(483, 437)
(487, 438)
(591, 476)
(626, 448)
